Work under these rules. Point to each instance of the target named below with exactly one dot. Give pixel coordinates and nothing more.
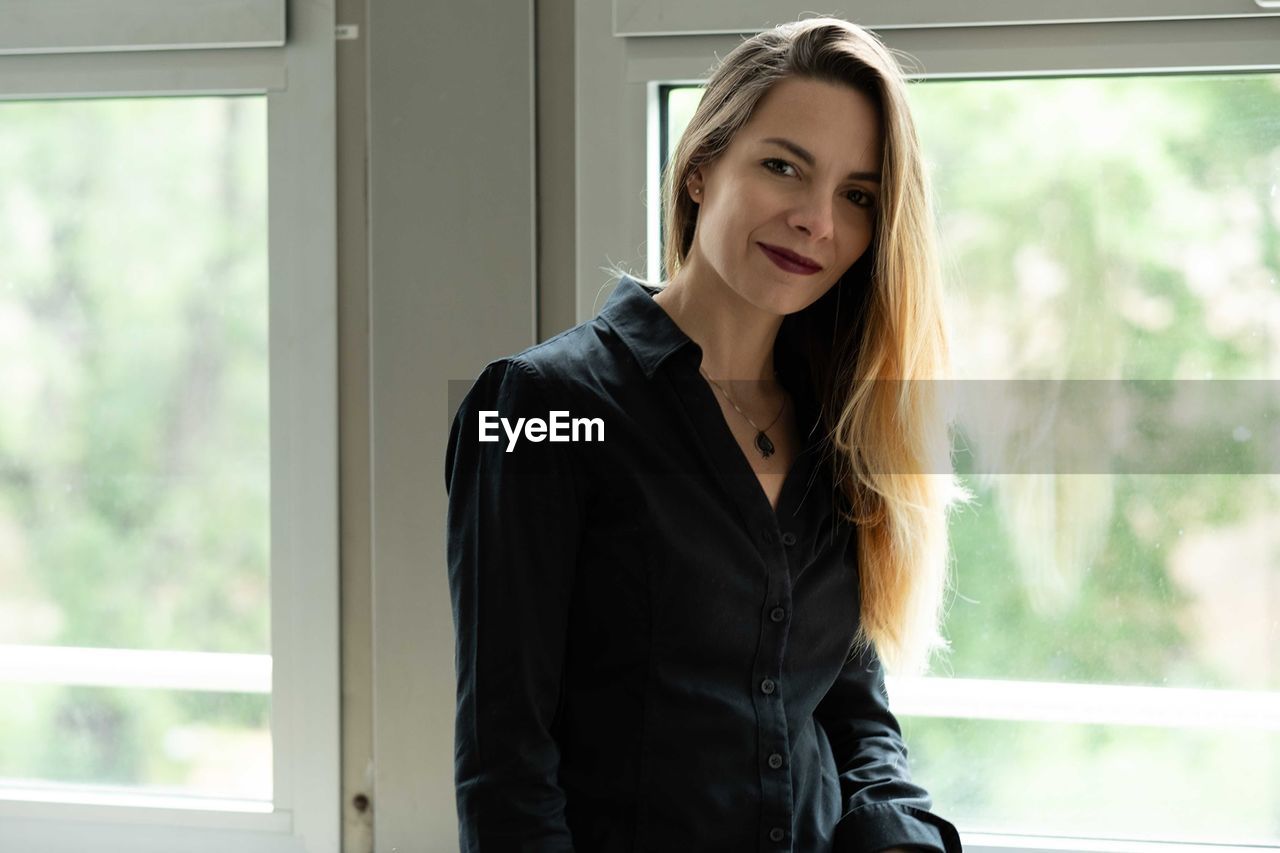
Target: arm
(881, 807)
(513, 524)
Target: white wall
(452, 267)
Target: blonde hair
(873, 343)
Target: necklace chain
(744, 414)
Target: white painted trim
(643, 18)
(196, 72)
(130, 805)
(72, 26)
(136, 668)
(50, 818)
(1093, 704)
(984, 842)
(306, 693)
(1151, 47)
(30, 835)
(653, 180)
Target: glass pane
(153, 741)
(1099, 781)
(681, 103)
(134, 479)
(1113, 228)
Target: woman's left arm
(882, 810)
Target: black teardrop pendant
(764, 445)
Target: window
(672, 17)
(1114, 673)
(136, 444)
(168, 560)
(1113, 228)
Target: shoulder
(564, 356)
(525, 386)
(568, 365)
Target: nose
(814, 216)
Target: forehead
(828, 118)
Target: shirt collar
(643, 325)
(652, 336)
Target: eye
(870, 200)
(783, 163)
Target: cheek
(863, 244)
(728, 225)
(752, 212)
(862, 232)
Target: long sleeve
(881, 806)
(514, 521)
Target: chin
(781, 299)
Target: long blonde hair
(874, 342)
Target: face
(760, 192)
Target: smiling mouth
(788, 262)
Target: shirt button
(776, 834)
(775, 761)
(788, 539)
(777, 614)
(767, 685)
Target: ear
(694, 185)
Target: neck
(735, 336)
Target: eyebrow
(809, 159)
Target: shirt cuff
(879, 826)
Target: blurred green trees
(1108, 228)
(1111, 228)
(134, 434)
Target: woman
(670, 628)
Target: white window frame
(224, 47)
(626, 54)
(676, 17)
(69, 26)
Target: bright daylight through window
(1116, 635)
(135, 655)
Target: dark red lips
(789, 260)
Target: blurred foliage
(134, 435)
(1110, 228)
(1113, 228)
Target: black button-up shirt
(649, 657)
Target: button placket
(775, 778)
